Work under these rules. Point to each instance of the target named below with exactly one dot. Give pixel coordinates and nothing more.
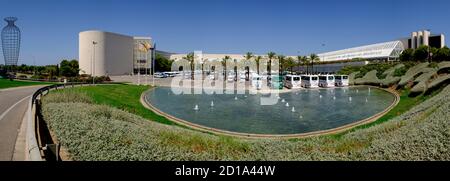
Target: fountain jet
(196, 107)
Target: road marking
(10, 108)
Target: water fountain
(196, 107)
(320, 96)
(282, 100)
(357, 90)
(367, 100)
(282, 118)
(235, 98)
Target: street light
(93, 62)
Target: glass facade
(142, 55)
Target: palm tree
(270, 55)
(303, 60)
(257, 60)
(248, 56)
(313, 58)
(235, 69)
(224, 64)
(290, 63)
(282, 63)
(190, 57)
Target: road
(13, 105)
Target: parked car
(160, 75)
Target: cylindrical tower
(11, 41)
(419, 39)
(426, 37)
(414, 40)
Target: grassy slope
(124, 97)
(6, 83)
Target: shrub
(444, 67)
(369, 79)
(412, 73)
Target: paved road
(13, 105)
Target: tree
(282, 63)
(290, 63)
(270, 55)
(303, 60)
(69, 68)
(407, 55)
(248, 56)
(421, 53)
(51, 71)
(190, 58)
(162, 63)
(257, 60)
(224, 64)
(442, 54)
(313, 58)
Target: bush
(369, 79)
(352, 77)
(412, 73)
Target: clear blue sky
(50, 28)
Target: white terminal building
(105, 53)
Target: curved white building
(385, 50)
(105, 53)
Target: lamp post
(153, 50)
(323, 50)
(93, 62)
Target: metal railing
(38, 148)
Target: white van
(292, 81)
(341, 80)
(326, 81)
(310, 81)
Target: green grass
(124, 97)
(6, 83)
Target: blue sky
(50, 28)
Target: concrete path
(13, 105)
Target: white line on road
(10, 108)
